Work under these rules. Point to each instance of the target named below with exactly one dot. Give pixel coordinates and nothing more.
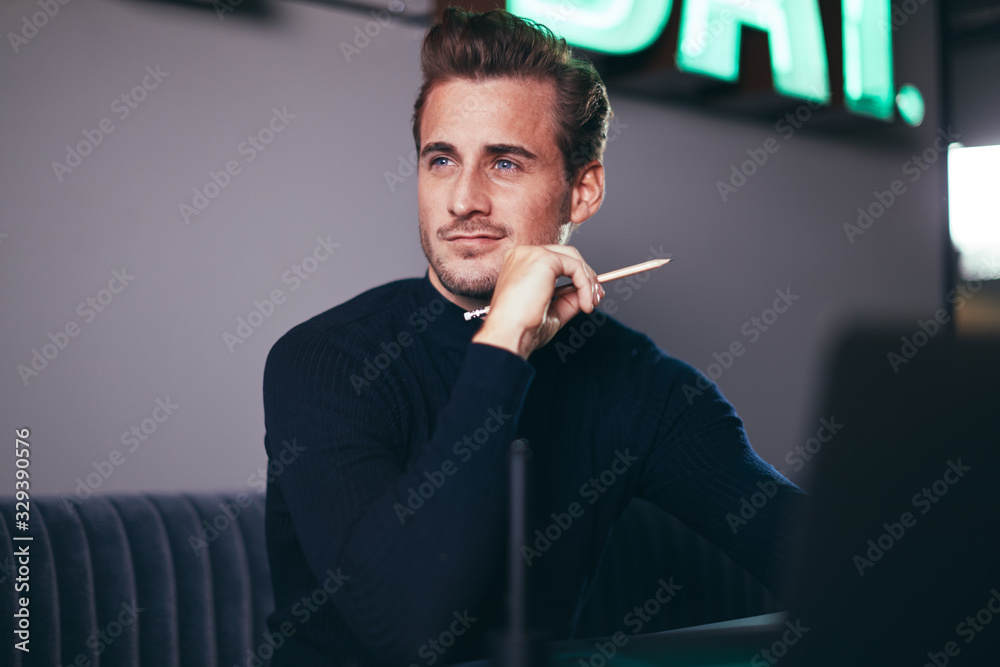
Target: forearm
(419, 540)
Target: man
(387, 536)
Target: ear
(588, 192)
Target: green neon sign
(611, 26)
(709, 43)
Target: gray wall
(324, 176)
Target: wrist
(508, 338)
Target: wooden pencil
(603, 278)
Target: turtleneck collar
(445, 321)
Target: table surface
(726, 644)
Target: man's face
(490, 178)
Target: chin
(470, 282)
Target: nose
(469, 194)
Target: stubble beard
(479, 280)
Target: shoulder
(677, 402)
(601, 348)
(348, 327)
(599, 340)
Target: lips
(468, 235)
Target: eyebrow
(490, 149)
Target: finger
(564, 308)
(583, 276)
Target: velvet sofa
(182, 580)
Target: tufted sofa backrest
(123, 580)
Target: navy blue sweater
(387, 502)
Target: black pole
(517, 568)
(518, 647)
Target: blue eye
(511, 166)
(434, 161)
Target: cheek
(431, 192)
(545, 202)
(425, 199)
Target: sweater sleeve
(703, 470)
(410, 562)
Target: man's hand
(523, 316)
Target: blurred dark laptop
(901, 556)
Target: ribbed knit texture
(387, 503)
